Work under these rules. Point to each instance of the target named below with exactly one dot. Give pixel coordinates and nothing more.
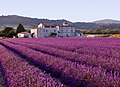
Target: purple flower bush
(75, 62)
(19, 73)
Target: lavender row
(20, 74)
(101, 50)
(99, 46)
(83, 47)
(60, 43)
(110, 63)
(69, 72)
(74, 43)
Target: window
(46, 30)
(54, 30)
(61, 30)
(71, 30)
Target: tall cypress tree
(20, 28)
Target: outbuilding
(24, 35)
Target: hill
(107, 21)
(14, 20)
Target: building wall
(46, 32)
(35, 31)
(67, 32)
(40, 33)
(60, 31)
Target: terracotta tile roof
(23, 33)
(56, 24)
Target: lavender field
(60, 62)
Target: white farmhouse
(44, 30)
(50, 30)
(24, 35)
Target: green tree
(11, 34)
(20, 28)
(6, 31)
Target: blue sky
(72, 10)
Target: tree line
(102, 31)
(10, 32)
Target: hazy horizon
(75, 11)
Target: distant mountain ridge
(27, 21)
(14, 20)
(107, 21)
